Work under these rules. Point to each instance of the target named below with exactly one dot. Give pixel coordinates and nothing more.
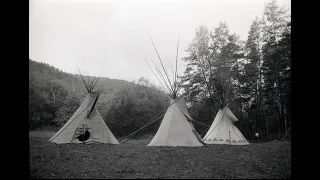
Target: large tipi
(223, 130)
(176, 128)
(86, 124)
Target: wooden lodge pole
(83, 134)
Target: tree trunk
(259, 94)
(277, 84)
(283, 122)
(210, 109)
(257, 124)
(278, 98)
(250, 128)
(223, 98)
(276, 114)
(54, 96)
(264, 128)
(278, 129)
(241, 113)
(258, 119)
(285, 118)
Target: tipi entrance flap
(229, 113)
(93, 98)
(82, 132)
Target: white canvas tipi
(223, 130)
(86, 124)
(176, 128)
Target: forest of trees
(252, 77)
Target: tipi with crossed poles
(86, 124)
(176, 128)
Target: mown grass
(135, 160)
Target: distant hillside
(74, 80)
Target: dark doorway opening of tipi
(84, 137)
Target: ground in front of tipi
(135, 159)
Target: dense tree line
(252, 77)
(53, 95)
(134, 106)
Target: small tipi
(223, 130)
(86, 124)
(176, 128)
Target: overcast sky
(109, 37)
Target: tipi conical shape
(176, 128)
(86, 124)
(223, 130)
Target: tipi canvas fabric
(223, 131)
(94, 124)
(175, 129)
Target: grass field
(135, 160)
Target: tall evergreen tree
(274, 24)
